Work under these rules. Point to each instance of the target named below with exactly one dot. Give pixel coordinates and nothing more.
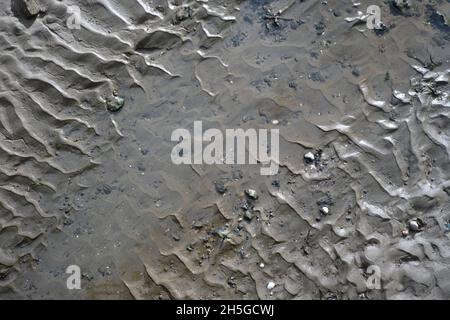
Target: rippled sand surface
(83, 185)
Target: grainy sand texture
(91, 91)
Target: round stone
(413, 225)
(324, 210)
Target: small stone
(402, 4)
(413, 225)
(252, 193)
(197, 225)
(276, 183)
(245, 205)
(405, 232)
(232, 282)
(105, 271)
(30, 7)
(182, 14)
(115, 103)
(270, 285)
(248, 215)
(222, 233)
(324, 210)
(87, 276)
(309, 157)
(275, 122)
(262, 265)
(220, 187)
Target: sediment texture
(80, 184)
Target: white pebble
(275, 122)
(252, 193)
(413, 225)
(309, 156)
(270, 285)
(262, 265)
(325, 210)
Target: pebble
(220, 187)
(223, 233)
(275, 122)
(262, 265)
(115, 103)
(182, 14)
(405, 232)
(248, 215)
(30, 7)
(324, 210)
(270, 285)
(252, 193)
(245, 205)
(402, 4)
(309, 157)
(105, 271)
(413, 225)
(276, 183)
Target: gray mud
(86, 117)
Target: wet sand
(86, 177)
